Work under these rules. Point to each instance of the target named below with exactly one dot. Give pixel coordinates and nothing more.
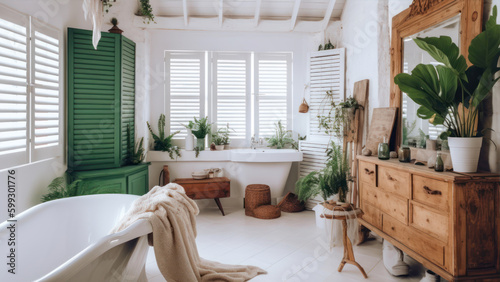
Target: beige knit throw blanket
(172, 216)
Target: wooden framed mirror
(459, 19)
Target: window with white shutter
(326, 72)
(272, 92)
(14, 104)
(46, 84)
(30, 90)
(185, 89)
(231, 93)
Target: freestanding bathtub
(67, 240)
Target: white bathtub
(242, 166)
(67, 240)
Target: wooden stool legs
(348, 252)
(217, 201)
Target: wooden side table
(210, 188)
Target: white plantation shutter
(185, 89)
(231, 93)
(314, 159)
(273, 78)
(46, 130)
(326, 72)
(14, 103)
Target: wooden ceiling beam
(328, 14)
(221, 12)
(185, 12)
(295, 13)
(257, 12)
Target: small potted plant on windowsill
(162, 142)
(452, 93)
(200, 129)
(282, 138)
(218, 141)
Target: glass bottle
(404, 154)
(439, 163)
(383, 150)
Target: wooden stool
(256, 195)
(210, 188)
(348, 252)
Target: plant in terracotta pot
(452, 93)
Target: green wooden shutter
(93, 101)
(127, 93)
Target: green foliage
(408, 129)
(60, 187)
(135, 153)
(327, 46)
(196, 151)
(161, 142)
(281, 138)
(221, 137)
(334, 118)
(146, 11)
(106, 4)
(201, 127)
(333, 179)
(440, 90)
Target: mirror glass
(416, 130)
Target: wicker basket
(256, 195)
(267, 212)
(291, 203)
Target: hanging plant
(335, 119)
(146, 11)
(106, 4)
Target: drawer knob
(431, 192)
(369, 172)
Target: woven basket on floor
(267, 212)
(291, 203)
(256, 195)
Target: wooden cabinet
(210, 188)
(101, 99)
(449, 222)
(132, 179)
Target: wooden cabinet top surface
(200, 181)
(423, 170)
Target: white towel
(93, 9)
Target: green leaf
(444, 51)
(484, 87)
(492, 21)
(425, 113)
(413, 87)
(448, 83)
(484, 49)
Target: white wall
(34, 178)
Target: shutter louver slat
(314, 159)
(128, 95)
(326, 72)
(185, 89)
(273, 79)
(232, 92)
(14, 104)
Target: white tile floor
(289, 248)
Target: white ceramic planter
(189, 140)
(464, 153)
(219, 147)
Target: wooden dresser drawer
(372, 215)
(367, 173)
(394, 181)
(385, 202)
(418, 242)
(429, 222)
(431, 192)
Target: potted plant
(201, 128)
(161, 142)
(146, 11)
(135, 153)
(218, 141)
(224, 132)
(335, 119)
(332, 180)
(451, 93)
(281, 138)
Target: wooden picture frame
(424, 14)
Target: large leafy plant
(450, 92)
(161, 141)
(333, 179)
(281, 137)
(201, 127)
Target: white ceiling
(259, 15)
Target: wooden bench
(210, 188)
